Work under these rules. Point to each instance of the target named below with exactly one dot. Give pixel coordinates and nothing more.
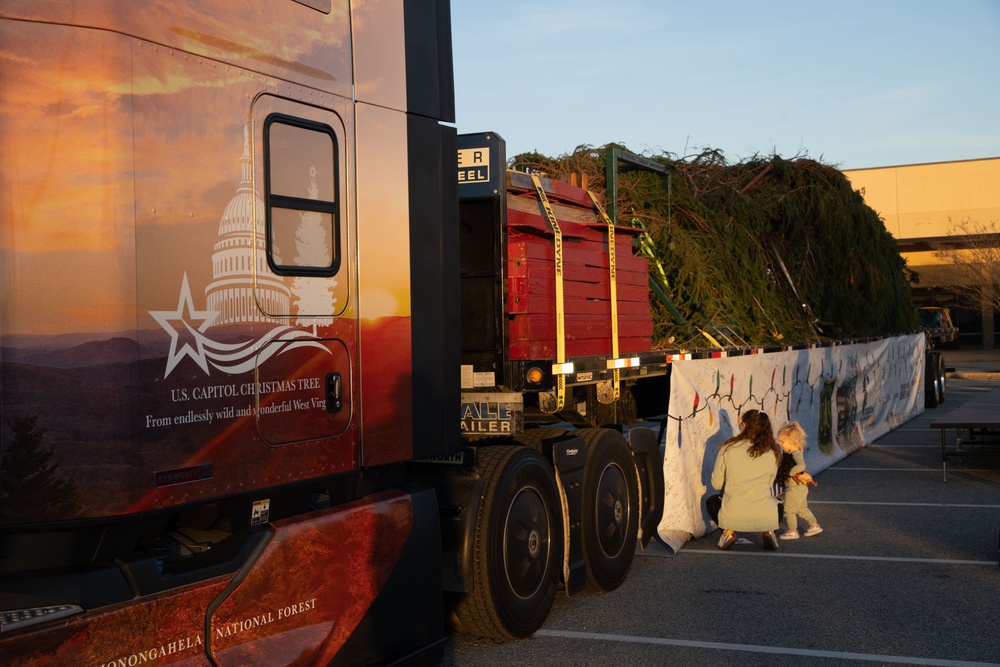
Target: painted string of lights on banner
(847, 383)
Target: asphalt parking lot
(905, 573)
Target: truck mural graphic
(265, 362)
(179, 403)
(232, 297)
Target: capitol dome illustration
(236, 261)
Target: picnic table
(980, 418)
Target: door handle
(334, 392)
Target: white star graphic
(184, 314)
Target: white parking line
(903, 429)
(859, 502)
(773, 650)
(887, 559)
(937, 470)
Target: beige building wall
(920, 203)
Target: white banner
(844, 396)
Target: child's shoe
(727, 540)
(789, 535)
(814, 529)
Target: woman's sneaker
(727, 540)
(770, 541)
(814, 529)
(789, 535)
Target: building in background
(921, 204)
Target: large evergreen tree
(764, 251)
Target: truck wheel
(610, 517)
(943, 375)
(932, 379)
(533, 437)
(518, 546)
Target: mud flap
(569, 458)
(649, 465)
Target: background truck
(936, 323)
(938, 329)
(267, 393)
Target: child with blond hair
(792, 439)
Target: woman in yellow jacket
(744, 473)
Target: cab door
(305, 372)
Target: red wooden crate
(520, 305)
(519, 220)
(520, 183)
(545, 268)
(524, 248)
(586, 277)
(528, 288)
(542, 326)
(536, 349)
(537, 221)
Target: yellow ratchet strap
(614, 291)
(711, 339)
(648, 248)
(560, 305)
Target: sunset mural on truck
(135, 254)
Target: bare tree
(973, 250)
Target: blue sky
(856, 83)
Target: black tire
(533, 437)
(610, 517)
(518, 546)
(932, 381)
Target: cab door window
(302, 204)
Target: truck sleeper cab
(213, 363)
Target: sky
(854, 83)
